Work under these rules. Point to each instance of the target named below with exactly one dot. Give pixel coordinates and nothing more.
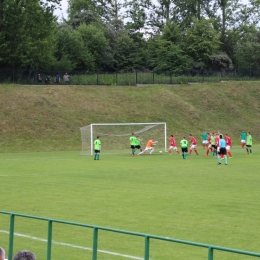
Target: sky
(64, 7)
(63, 12)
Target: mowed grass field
(193, 199)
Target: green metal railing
(147, 238)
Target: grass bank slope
(47, 118)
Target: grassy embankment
(48, 118)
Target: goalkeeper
(97, 148)
(149, 146)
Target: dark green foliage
(201, 41)
(167, 56)
(26, 33)
(220, 61)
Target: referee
(222, 150)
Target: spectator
(2, 254)
(57, 79)
(39, 79)
(48, 80)
(24, 255)
(66, 78)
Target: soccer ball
(160, 152)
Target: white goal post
(115, 136)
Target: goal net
(115, 136)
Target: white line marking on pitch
(74, 246)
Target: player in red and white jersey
(193, 144)
(216, 143)
(228, 145)
(209, 148)
(173, 145)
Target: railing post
(136, 78)
(95, 243)
(11, 237)
(13, 75)
(146, 248)
(210, 253)
(49, 240)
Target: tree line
(127, 35)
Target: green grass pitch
(193, 199)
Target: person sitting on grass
(2, 254)
(24, 255)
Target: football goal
(115, 136)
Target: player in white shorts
(149, 146)
(172, 145)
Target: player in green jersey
(132, 140)
(97, 148)
(184, 147)
(138, 143)
(204, 139)
(213, 145)
(249, 143)
(243, 136)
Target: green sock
(246, 149)
(98, 155)
(95, 156)
(133, 151)
(250, 150)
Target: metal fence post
(210, 253)
(11, 237)
(13, 75)
(49, 240)
(146, 248)
(95, 243)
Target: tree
(126, 53)
(247, 50)
(167, 56)
(220, 61)
(201, 40)
(70, 46)
(94, 41)
(106, 10)
(26, 43)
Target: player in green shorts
(184, 147)
(97, 148)
(249, 143)
(132, 140)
